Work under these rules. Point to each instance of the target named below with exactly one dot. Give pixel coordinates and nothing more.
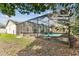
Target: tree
(10, 9)
(75, 27)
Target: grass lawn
(10, 44)
(11, 39)
(7, 36)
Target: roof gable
(12, 21)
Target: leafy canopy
(10, 8)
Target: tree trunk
(37, 28)
(69, 38)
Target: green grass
(11, 39)
(21, 42)
(7, 36)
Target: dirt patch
(9, 49)
(43, 48)
(38, 47)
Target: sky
(19, 17)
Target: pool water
(52, 35)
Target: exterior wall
(29, 28)
(2, 30)
(11, 28)
(24, 28)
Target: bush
(75, 30)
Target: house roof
(15, 22)
(12, 21)
(39, 17)
(35, 19)
(27, 20)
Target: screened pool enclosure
(52, 26)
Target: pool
(52, 35)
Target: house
(26, 27)
(11, 27)
(36, 25)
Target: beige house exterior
(26, 27)
(11, 27)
